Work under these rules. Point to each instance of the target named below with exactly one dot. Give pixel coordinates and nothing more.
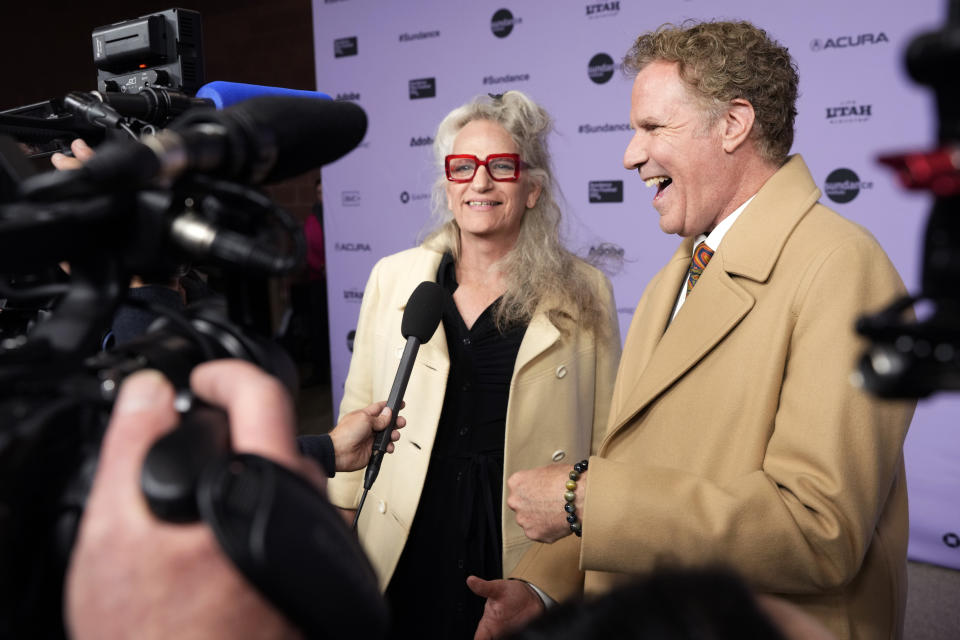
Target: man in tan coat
(735, 435)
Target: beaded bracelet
(570, 496)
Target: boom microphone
(420, 320)
(263, 139)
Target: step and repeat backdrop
(409, 64)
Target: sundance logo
(343, 47)
(603, 128)
(352, 96)
(422, 88)
(502, 22)
(843, 185)
(351, 246)
(353, 295)
(510, 77)
(606, 190)
(419, 35)
(600, 69)
(843, 42)
(603, 9)
(350, 198)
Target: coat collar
(660, 355)
(540, 334)
(434, 353)
(752, 246)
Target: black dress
(456, 531)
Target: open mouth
(482, 203)
(660, 182)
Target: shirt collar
(716, 236)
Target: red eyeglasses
(502, 167)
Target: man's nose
(635, 154)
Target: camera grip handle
(173, 466)
(291, 544)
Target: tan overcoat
(560, 389)
(736, 436)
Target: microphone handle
(394, 400)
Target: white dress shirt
(713, 241)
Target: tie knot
(702, 255)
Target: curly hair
(723, 61)
(538, 267)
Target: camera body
(164, 49)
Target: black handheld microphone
(420, 320)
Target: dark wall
(47, 53)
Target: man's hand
(510, 605)
(81, 153)
(132, 575)
(353, 436)
(536, 495)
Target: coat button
(382, 507)
(561, 371)
(559, 455)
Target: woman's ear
(534, 194)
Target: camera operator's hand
(81, 153)
(353, 436)
(133, 576)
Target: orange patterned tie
(701, 256)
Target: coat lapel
(434, 353)
(539, 336)
(712, 310)
(718, 303)
(663, 297)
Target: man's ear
(737, 124)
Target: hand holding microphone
(349, 445)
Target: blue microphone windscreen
(225, 94)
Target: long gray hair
(538, 268)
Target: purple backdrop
(409, 66)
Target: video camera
(181, 193)
(148, 70)
(913, 359)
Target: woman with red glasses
(519, 373)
